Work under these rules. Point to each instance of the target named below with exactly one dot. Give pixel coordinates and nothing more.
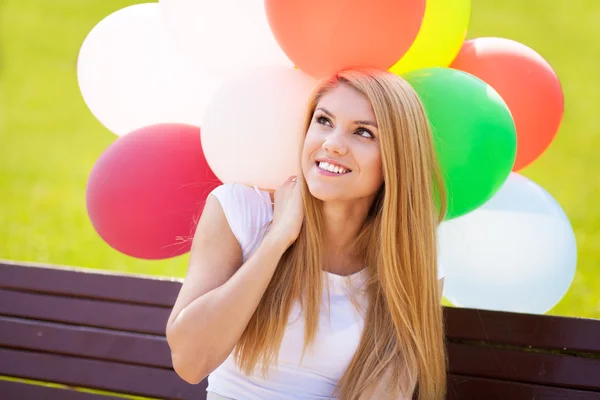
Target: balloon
(440, 38)
(147, 188)
(473, 131)
(252, 128)
(526, 82)
(131, 76)
(223, 36)
(323, 37)
(515, 253)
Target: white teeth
(332, 168)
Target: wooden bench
(88, 331)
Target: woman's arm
(219, 295)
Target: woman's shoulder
(241, 196)
(232, 188)
(248, 211)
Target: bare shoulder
(213, 228)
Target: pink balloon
(147, 189)
(252, 131)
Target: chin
(325, 191)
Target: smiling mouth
(336, 169)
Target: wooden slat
(141, 306)
(471, 388)
(101, 375)
(96, 343)
(25, 391)
(88, 283)
(86, 312)
(539, 331)
(524, 366)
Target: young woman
(329, 287)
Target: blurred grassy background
(49, 140)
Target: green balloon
(474, 134)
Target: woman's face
(341, 157)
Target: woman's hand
(288, 212)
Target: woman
(333, 291)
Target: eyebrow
(359, 122)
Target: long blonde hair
(403, 336)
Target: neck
(342, 224)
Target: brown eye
(323, 121)
(365, 133)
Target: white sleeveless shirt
(248, 212)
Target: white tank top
(248, 212)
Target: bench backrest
(89, 330)
(522, 356)
(105, 332)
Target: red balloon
(147, 190)
(322, 37)
(528, 85)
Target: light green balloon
(474, 134)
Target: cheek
(372, 165)
(311, 144)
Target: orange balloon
(528, 85)
(322, 37)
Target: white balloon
(252, 131)
(131, 75)
(515, 253)
(224, 36)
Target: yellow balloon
(440, 38)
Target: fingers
(290, 181)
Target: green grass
(49, 140)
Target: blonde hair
(403, 336)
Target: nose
(334, 143)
